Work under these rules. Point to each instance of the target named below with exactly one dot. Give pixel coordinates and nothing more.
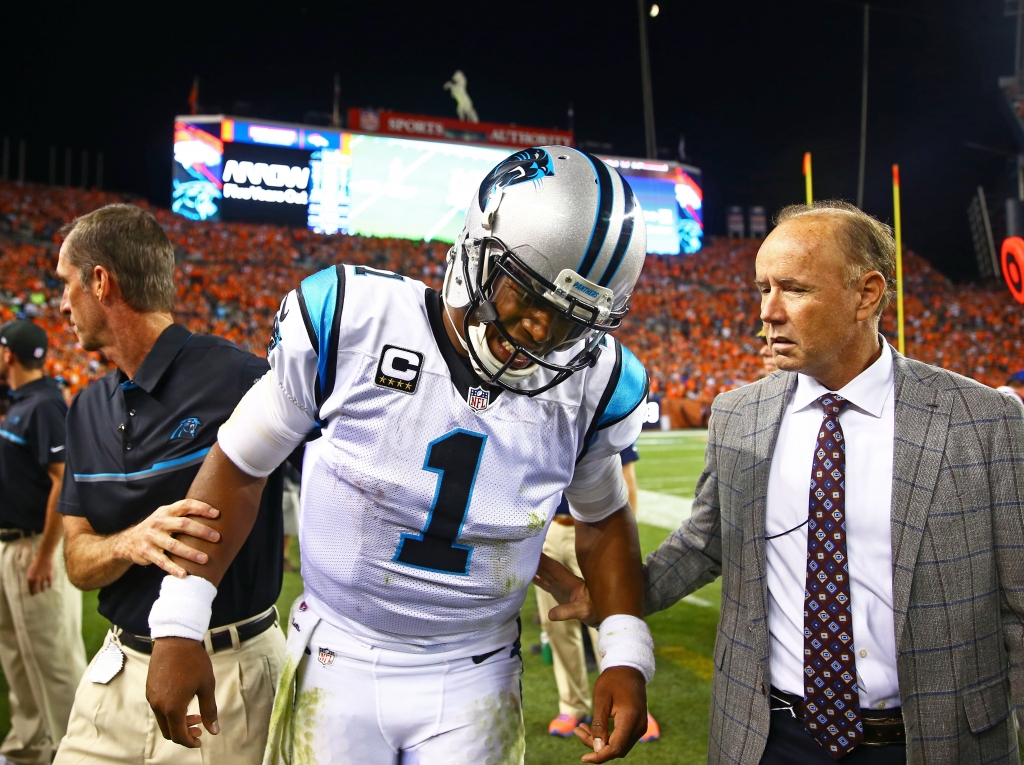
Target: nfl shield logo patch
(326, 657)
(478, 398)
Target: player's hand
(40, 573)
(150, 541)
(568, 589)
(620, 693)
(180, 670)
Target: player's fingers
(625, 734)
(194, 723)
(583, 733)
(161, 721)
(179, 730)
(208, 703)
(599, 725)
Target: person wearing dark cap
(1014, 386)
(41, 649)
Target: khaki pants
(566, 640)
(113, 723)
(41, 652)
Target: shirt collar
(29, 388)
(158, 360)
(867, 391)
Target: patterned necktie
(831, 703)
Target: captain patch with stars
(399, 369)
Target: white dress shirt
(868, 425)
(1010, 392)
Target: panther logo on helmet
(540, 281)
(526, 165)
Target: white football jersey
(428, 499)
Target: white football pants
(358, 705)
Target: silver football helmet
(552, 246)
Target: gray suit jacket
(957, 558)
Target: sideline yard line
(698, 601)
(662, 510)
(655, 436)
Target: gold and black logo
(399, 369)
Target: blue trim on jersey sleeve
(12, 438)
(320, 293)
(629, 391)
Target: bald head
(821, 296)
(864, 243)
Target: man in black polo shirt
(136, 439)
(41, 647)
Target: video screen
(414, 189)
(384, 186)
(672, 201)
(265, 184)
(196, 179)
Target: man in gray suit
(866, 515)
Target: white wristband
(183, 608)
(625, 641)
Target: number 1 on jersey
(456, 458)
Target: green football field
(684, 636)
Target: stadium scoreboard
(344, 181)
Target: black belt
(881, 728)
(220, 638)
(13, 535)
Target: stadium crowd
(693, 319)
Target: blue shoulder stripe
(321, 297)
(630, 390)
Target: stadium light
(645, 72)
(655, 10)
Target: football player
(451, 422)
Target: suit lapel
(775, 393)
(922, 424)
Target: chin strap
(478, 336)
(455, 325)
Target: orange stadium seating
(692, 322)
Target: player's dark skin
(608, 554)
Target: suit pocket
(987, 706)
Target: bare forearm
(93, 560)
(236, 495)
(608, 553)
(53, 526)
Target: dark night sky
(752, 85)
